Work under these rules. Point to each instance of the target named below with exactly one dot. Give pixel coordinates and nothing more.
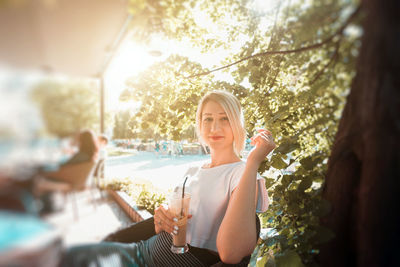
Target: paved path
(98, 217)
(163, 171)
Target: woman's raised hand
(264, 144)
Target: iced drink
(180, 208)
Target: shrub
(149, 200)
(142, 192)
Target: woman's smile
(216, 137)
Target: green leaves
(288, 259)
(305, 184)
(282, 113)
(287, 146)
(310, 162)
(322, 235)
(149, 200)
(322, 208)
(169, 101)
(277, 162)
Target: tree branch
(333, 58)
(301, 49)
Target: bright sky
(130, 60)
(133, 58)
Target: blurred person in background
(103, 142)
(99, 170)
(88, 149)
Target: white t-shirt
(210, 191)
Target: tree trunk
(362, 182)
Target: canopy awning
(73, 37)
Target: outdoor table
(26, 240)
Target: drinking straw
(183, 193)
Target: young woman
(225, 195)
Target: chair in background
(69, 179)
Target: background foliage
(292, 77)
(67, 107)
(142, 192)
(123, 125)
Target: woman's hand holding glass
(264, 144)
(164, 220)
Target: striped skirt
(155, 251)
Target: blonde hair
(233, 110)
